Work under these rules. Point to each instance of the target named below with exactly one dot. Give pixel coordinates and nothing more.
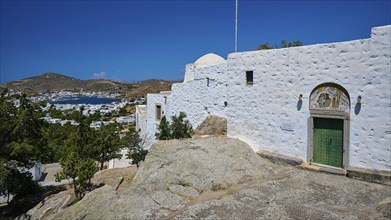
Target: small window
(158, 112)
(249, 77)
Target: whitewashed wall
(122, 162)
(256, 112)
(152, 123)
(198, 99)
(141, 117)
(362, 67)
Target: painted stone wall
(259, 113)
(269, 114)
(141, 117)
(152, 122)
(199, 98)
(122, 162)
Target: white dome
(209, 60)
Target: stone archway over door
(329, 125)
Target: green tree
(85, 137)
(178, 129)
(164, 131)
(54, 113)
(181, 128)
(86, 170)
(264, 46)
(135, 145)
(297, 43)
(21, 183)
(123, 111)
(96, 116)
(21, 143)
(59, 140)
(8, 113)
(283, 44)
(75, 115)
(28, 144)
(107, 144)
(77, 159)
(79, 170)
(4, 179)
(86, 147)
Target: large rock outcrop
(220, 178)
(212, 126)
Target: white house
(122, 162)
(36, 171)
(125, 119)
(327, 103)
(141, 117)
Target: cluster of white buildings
(95, 124)
(89, 109)
(56, 96)
(92, 108)
(59, 121)
(327, 104)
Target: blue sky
(138, 40)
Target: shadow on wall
(299, 105)
(357, 108)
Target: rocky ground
(220, 178)
(116, 179)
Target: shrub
(178, 129)
(164, 131)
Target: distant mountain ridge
(52, 82)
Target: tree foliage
(59, 138)
(135, 145)
(79, 170)
(26, 139)
(178, 129)
(84, 148)
(164, 130)
(283, 44)
(78, 162)
(264, 46)
(96, 116)
(54, 113)
(106, 144)
(15, 182)
(21, 143)
(123, 111)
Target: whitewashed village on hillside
(327, 104)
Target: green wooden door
(328, 141)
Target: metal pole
(236, 28)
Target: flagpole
(236, 28)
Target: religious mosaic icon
(329, 98)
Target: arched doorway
(329, 125)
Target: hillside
(140, 89)
(52, 82)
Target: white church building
(327, 104)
